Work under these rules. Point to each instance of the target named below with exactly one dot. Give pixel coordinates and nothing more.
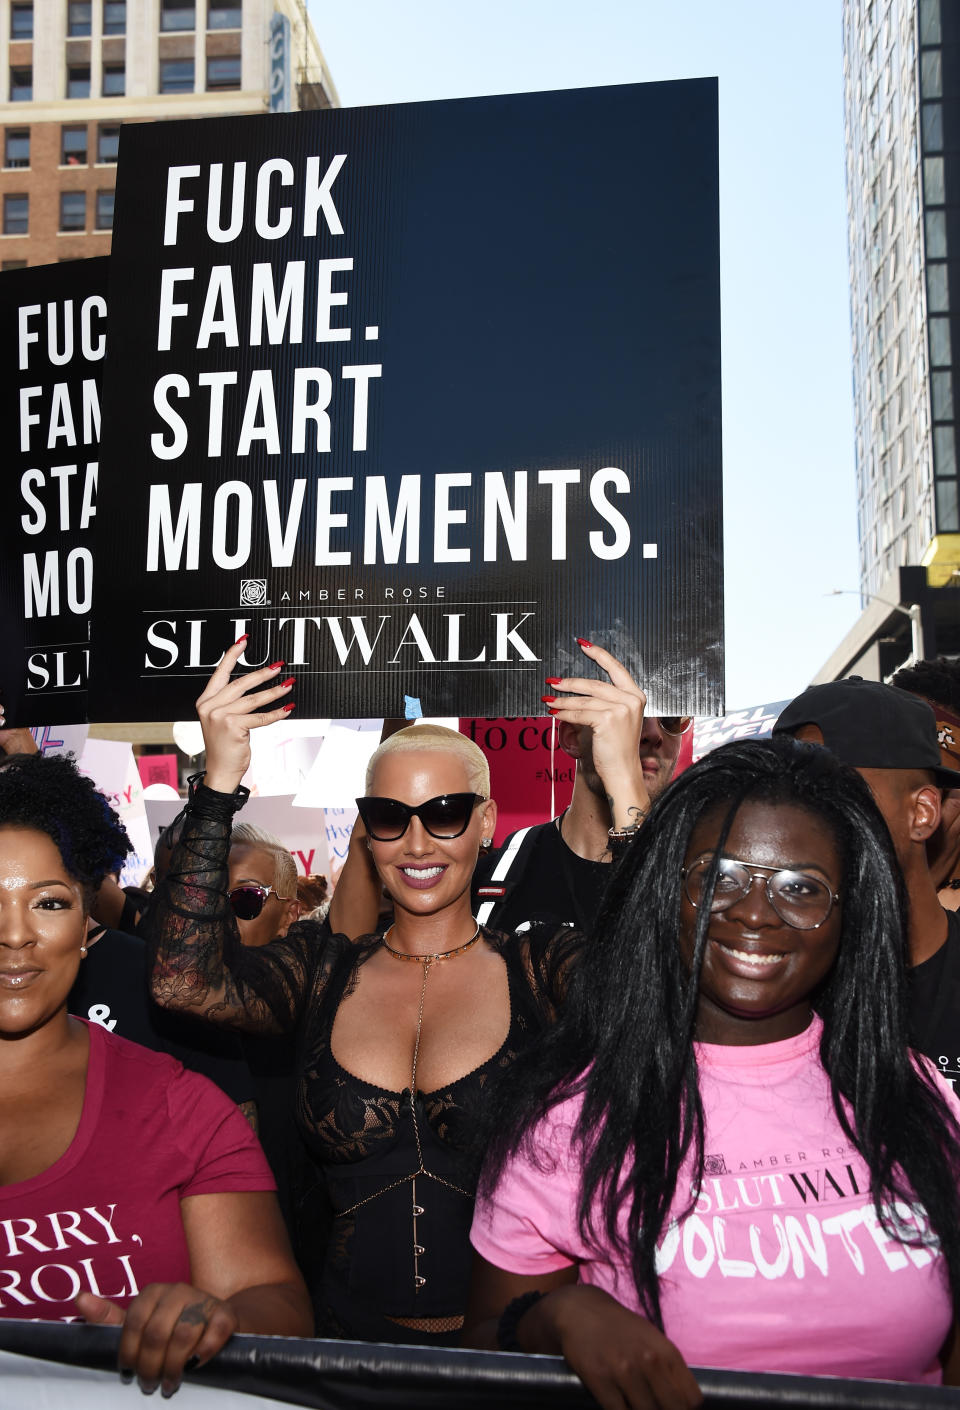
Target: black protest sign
(53, 339)
(415, 396)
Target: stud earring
(83, 951)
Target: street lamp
(913, 612)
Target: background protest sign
(415, 396)
(52, 346)
(755, 723)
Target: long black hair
(50, 795)
(625, 1039)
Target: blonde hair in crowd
(437, 737)
(285, 868)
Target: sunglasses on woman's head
(248, 901)
(443, 817)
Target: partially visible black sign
(53, 337)
(415, 396)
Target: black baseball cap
(871, 726)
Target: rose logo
(253, 592)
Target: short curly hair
(937, 681)
(51, 795)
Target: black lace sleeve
(549, 955)
(199, 964)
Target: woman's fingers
(221, 673)
(596, 690)
(167, 1325)
(99, 1310)
(617, 672)
(201, 1329)
(243, 705)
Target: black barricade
(334, 1375)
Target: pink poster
(531, 778)
(158, 768)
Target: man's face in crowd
(904, 797)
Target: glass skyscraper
(902, 116)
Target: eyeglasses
(799, 899)
(675, 724)
(444, 817)
(248, 901)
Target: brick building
(72, 71)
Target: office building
(72, 71)
(901, 74)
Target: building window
(108, 143)
(73, 146)
(935, 225)
(104, 219)
(13, 264)
(73, 210)
(114, 80)
(223, 73)
(16, 215)
(933, 186)
(177, 14)
(21, 21)
(931, 120)
(79, 19)
(939, 342)
(929, 21)
(224, 14)
(21, 85)
(78, 80)
(114, 16)
(16, 147)
(176, 76)
(938, 295)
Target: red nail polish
(582, 641)
(289, 707)
(245, 637)
(552, 709)
(553, 680)
(289, 681)
(275, 665)
(548, 699)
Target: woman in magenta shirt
(724, 1154)
(131, 1191)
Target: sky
(789, 488)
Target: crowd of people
(549, 1097)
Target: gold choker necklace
(430, 959)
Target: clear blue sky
(790, 506)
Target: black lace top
(400, 1172)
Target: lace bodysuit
(400, 1172)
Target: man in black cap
(890, 738)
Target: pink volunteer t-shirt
(105, 1217)
(782, 1265)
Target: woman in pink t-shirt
(724, 1154)
(131, 1191)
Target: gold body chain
(418, 1209)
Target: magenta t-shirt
(782, 1265)
(105, 1217)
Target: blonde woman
(400, 1036)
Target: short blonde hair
(436, 737)
(284, 867)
